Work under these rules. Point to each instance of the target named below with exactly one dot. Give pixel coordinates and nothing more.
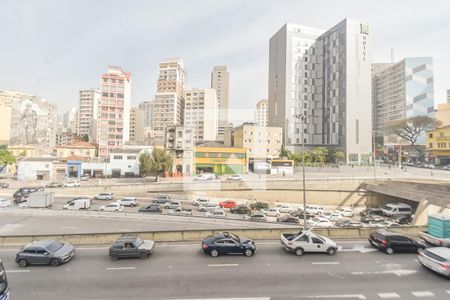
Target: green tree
(85, 137)
(6, 158)
(159, 161)
(284, 152)
(319, 155)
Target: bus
(4, 292)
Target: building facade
(220, 160)
(81, 149)
(201, 114)
(148, 108)
(179, 142)
(169, 98)
(443, 113)
(262, 113)
(5, 124)
(137, 120)
(438, 145)
(220, 81)
(113, 123)
(88, 101)
(70, 120)
(320, 88)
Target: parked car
(227, 243)
(54, 185)
(172, 205)
(74, 183)
(241, 209)
(199, 201)
(205, 177)
(128, 201)
(104, 196)
(287, 219)
(372, 219)
(151, 208)
(345, 212)
(45, 252)
(180, 212)
(258, 216)
(319, 222)
(4, 185)
(273, 212)
(5, 202)
(429, 166)
(446, 167)
(131, 246)
(348, 224)
(78, 203)
(397, 209)
(391, 242)
(234, 177)
(403, 220)
(436, 259)
(314, 209)
(307, 241)
(112, 207)
(208, 207)
(215, 214)
(161, 199)
(228, 204)
(84, 177)
(259, 205)
(371, 211)
(284, 208)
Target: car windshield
(388, 207)
(138, 242)
(54, 246)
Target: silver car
(45, 252)
(436, 259)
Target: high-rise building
(148, 108)
(322, 78)
(87, 113)
(401, 90)
(113, 122)
(137, 120)
(201, 114)
(443, 114)
(169, 98)
(8, 97)
(69, 120)
(262, 113)
(220, 82)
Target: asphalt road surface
(181, 271)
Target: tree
(85, 138)
(412, 128)
(6, 158)
(319, 155)
(284, 152)
(156, 162)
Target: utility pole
(302, 120)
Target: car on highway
(227, 243)
(5, 202)
(74, 183)
(391, 242)
(259, 205)
(227, 204)
(54, 185)
(104, 196)
(161, 199)
(284, 208)
(397, 209)
(299, 214)
(199, 201)
(371, 211)
(402, 220)
(45, 252)
(172, 205)
(436, 259)
(234, 177)
(25, 191)
(287, 219)
(128, 201)
(208, 207)
(112, 207)
(151, 208)
(386, 224)
(131, 247)
(348, 224)
(307, 241)
(241, 209)
(219, 213)
(78, 203)
(345, 212)
(4, 185)
(319, 222)
(372, 219)
(180, 212)
(258, 216)
(273, 212)
(314, 209)
(205, 177)
(85, 177)
(335, 216)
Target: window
(431, 145)
(316, 240)
(117, 156)
(430, 135)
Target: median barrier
(196, 235)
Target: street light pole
(302, 120)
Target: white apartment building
(148, 107)
(114, 110)
(220, 82)
(262, 113)
(88, 101)
(201, 114)
(137, 120)
(323, 78)
(169, 98)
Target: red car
(228, 204)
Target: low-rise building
(28, 151)
(211, 157)
(41, 168)
(443, 113)
(179, 142)
(81, 149)
(438, 145)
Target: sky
(54, 48)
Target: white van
(397, 209)
(314, 209)
(77, 204)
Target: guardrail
(198, 235)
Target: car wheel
(22, 263)
(390, 251)
(143, 256)
(419, 250)
(114, 257)
(299, 251)
(54, 262)
(331, 251)
(214, 253)
(248, 252)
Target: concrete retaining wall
(197, 235)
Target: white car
(172, 205)
(319, 222)
(283, 208)
(345, 212)
(104, 196)
(23, 204)
(208, 207)
(200, 201)
(84, 177)
(4, 202)
(333, 216)
(307, 241)
(273, 212)
(234, 177)
(113, 207)
(74, 183)
(215, 214)
(128, 201)
(314, 209)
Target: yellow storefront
(220, 160)
(438, 144)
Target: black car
(372, 219)
(402, 220)
(371, 211)
(27, 191)
(241, 209)
(287, 219)
(54, 185)
(131, 246)
(259, 205)
(4, 185)
(299, 214)
(227, 243)
(151, 208)
(391, 242)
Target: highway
(181, 271)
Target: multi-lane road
(181, 271)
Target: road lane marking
(18, 271)
(398, 273)
(121, 268)
(388, 295)
(448, 291)
(247, 298)
(422, 294)
(325, 263)
(223, 265)
(350, 296)
(68, 227)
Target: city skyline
(202, 47)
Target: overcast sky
(55, 48)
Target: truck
(307, 241)
(40, 199)
(438, 233)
